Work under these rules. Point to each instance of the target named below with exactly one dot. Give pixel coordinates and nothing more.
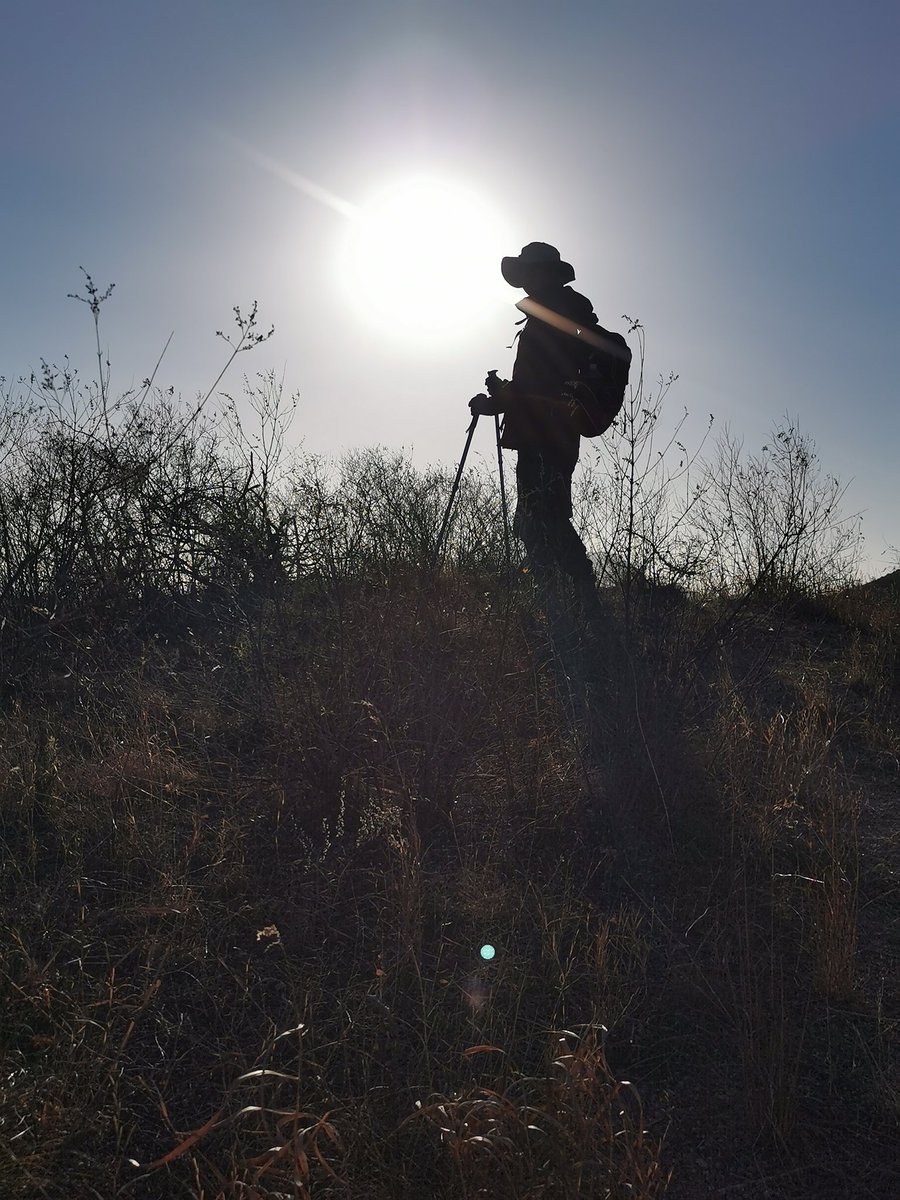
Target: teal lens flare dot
(487, 953)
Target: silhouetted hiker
(542, 421)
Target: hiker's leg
(531, 523)
(570, 551)
(543, 522)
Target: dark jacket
(537, 418)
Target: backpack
(598, 391)
(600, 363)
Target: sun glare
(422, 261)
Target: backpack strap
(533, 308)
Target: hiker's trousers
(543, 520)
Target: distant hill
(884, 584)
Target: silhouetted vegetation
(268, 783)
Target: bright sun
(422, 261)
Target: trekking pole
(439, 544)
(503, 503)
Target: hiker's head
(537, 268)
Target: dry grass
(245, 892)
(203, 845)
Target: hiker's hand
(483, 406)
(494, 384)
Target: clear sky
(726, 172)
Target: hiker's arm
(563, 408)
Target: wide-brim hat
(536, 256)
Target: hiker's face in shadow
(538, 278)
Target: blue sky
(726, 172)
